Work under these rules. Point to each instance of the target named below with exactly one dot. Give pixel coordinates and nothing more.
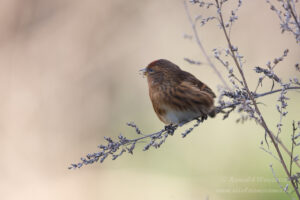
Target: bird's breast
(172, 116)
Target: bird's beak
(143, 71)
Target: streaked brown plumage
(177, 96)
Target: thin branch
(278, 182)
(285, 149)
(201, 46)
(117, 148)
(220, 108)
(293, 14)
(269, 152)
(262, 120)
(293, 144)
(274, 91)
(271, 68)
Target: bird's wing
(188, 96)
(189, 79)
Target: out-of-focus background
(69, 76)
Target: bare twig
(123, 144)
(257, 110)
(199, 43)
(293, 14)
(284, 189)
(292, 150)
(269, 152)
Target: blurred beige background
(69, 76)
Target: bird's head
(159, 70)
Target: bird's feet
(171, 128)
(203, 117)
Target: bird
(177, 96)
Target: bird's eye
(150, 70)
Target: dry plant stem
(274, 91)
(262, 95)
(262, 121)
(278, 182)
(156, 139)
(222, 79)
(285, 148)
(292, 151)
(201, 46)
(293, 14)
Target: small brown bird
(177, 96)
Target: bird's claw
(204, 117)
(170, 128)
